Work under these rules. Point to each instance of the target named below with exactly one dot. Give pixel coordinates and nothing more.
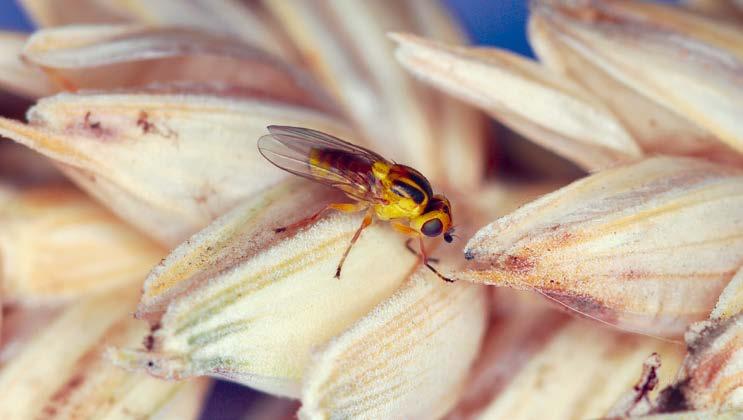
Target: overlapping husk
(242, 302)
(710, 381)
(230, 17)
(682, 100)
(383, 368)
(546, 108)
(167, 163)
(17, 76)
(574, 368)
(57, 244)
(654, 127)
(344, 44)
(647, 247)
(129, 56)
(61, 372)
(685, 62)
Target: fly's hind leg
(343, 207)
(364, 224)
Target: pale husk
(710, 380)
(654, 127)
(167, 163)
(239, 20)
(241, 302)
(57, 244)
(690, 64)
(17, 76)
(575, 369)
(731, 299)
(647, 247)
(128, 56)
(408, 358)
(61, 372)
(344, 44)
(549, 109)
(577, 375)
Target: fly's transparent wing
(292, 149)
(296, 136)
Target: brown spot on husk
(700, 340)
(148, 127)
(88, 362)
(143, 123)
(711, 344)
(708, 371)
(149, 341)
(518, 264)
(673, 399)
(584, 305)
(90, 125)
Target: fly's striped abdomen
(341, 163)
(326, 159)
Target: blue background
(11, 17)
(499, 23)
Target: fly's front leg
(343, 207)
(409, 231)
(364, 224)
(414, 252)
(430, 267)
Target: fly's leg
(344, 207)
(364, 224)
(430, 267)
(409, 231)
(414, 252)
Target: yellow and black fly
(384, 189)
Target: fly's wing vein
(290, 148)
(321, 140)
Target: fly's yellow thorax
(381, 170)
(396, 207)
(399, 210)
